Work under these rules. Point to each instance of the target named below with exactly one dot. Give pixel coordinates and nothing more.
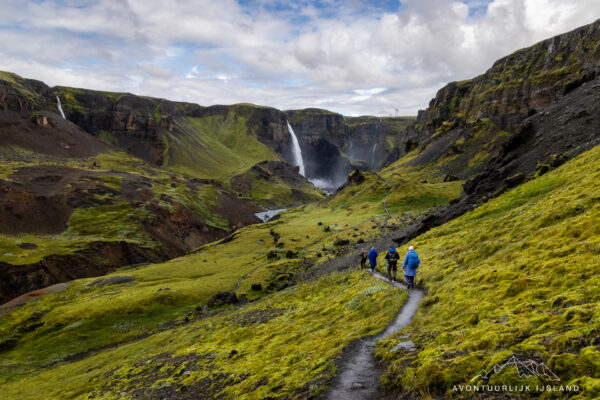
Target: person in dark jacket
(373, 258)
(410, 265)
(363, 259)
(392, 258)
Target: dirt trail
(358, 377)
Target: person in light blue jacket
(410, 265)
(373, 258)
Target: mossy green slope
(519, 275)
(214, 147)
(41, 335)
(284, 346)
(110, 212)
(273, 254)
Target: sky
(355, 57)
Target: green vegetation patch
(517, 276)
(113, 222)
(230, 355)
(267, 189)
(215, 147)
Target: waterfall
(375, 145)
(373, 155)
(297, 151)
(60, 107)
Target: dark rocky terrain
(532, 111)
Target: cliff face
(377, 141)
(140, 125)
(321, 136)
(332, 145)
(520, 84)
(152, 129)
(471, 122)
(532, 111)
(22, 95)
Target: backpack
(393, 256)
(413, 261)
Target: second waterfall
(297, 150)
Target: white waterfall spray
(60, 107)
(375, 145)
(297, 151)
(373, 155)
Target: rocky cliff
(152, 129)
(72, 205)
(333, 145)
(530, 112)
(142, 126)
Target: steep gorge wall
(519, 85)
(138, 125)
(333, 145)
(532, 111)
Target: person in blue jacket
(373, 258)
(410, 265)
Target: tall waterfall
(375, 145)
(297, 151)
(373, 155)
(60, 107)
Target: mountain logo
(526, 369)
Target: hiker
(410, 265)
(392, 258)
(363, 259)
(373, 258)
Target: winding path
(358, 377)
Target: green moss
(113, 222)
(20, 85)
(216, 147)
(203, 199)
(502, 262)
(293, 326)
(270, 190)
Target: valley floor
(517, 276)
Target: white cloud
(349, 56)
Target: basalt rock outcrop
(532, 111)
(275, 184)
(333, 145)
(140, 125)
(378, 141)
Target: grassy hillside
(49, 335)
(519, 275)
(228, 355)
(147, 181)
(110, 212)
(215, 147)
